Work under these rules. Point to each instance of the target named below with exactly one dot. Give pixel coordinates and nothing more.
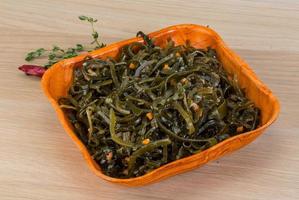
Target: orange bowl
(58, 78)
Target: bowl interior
(199, 38)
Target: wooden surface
(39, 161)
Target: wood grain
(39, 161)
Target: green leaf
(51, 56)
(95, 35)
(29, 56)
(35, 54)
(79, 47)
(83, 18)
(40, 51)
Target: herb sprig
(95, 34)
(57, 53)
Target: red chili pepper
(33, 70)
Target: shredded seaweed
(153, 105)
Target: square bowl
(57, 80)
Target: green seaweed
(152, 105)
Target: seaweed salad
(153, 105)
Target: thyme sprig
(57, 53)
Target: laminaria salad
(150, 106)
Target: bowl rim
(220, 43)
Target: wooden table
(39, 161)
